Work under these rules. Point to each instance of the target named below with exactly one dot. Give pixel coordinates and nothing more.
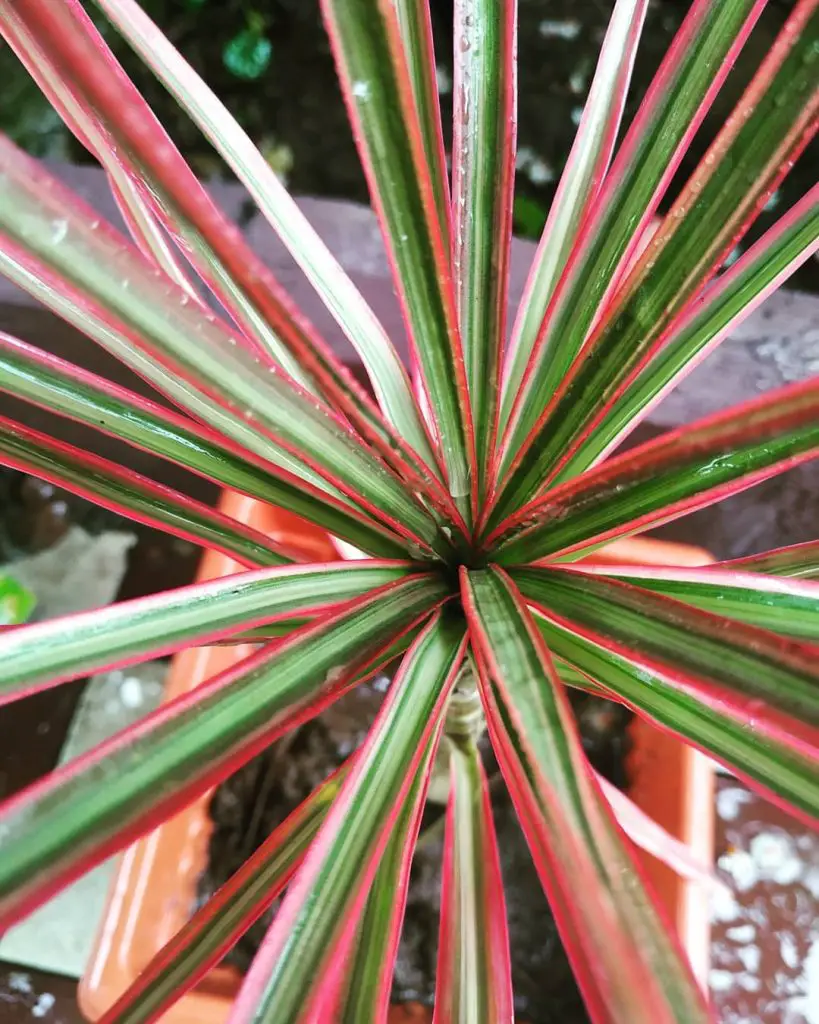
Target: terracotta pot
(155, 885)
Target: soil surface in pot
(249, 805)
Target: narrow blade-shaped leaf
(202, 942)
(349, 308)
(243, 283)
(323, 905)
(51, 652)
(125, 184)
(686, 83)
(61, 387)
(474, 974)
(59, 293)
(770, 681)
(580, 182)
(698, 331)
(366, 40)
(623, 954)
(677, 473)
(367, 990)
(800, 560)
(59, 828)
(785, 606)
(135, 496)
(775, 119)
(779, 770)
(650, 836)
(415, 21)
(43, 219)
(483, 177)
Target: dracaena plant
(477, 486)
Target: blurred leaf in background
(16, 603)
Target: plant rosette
(482, 486)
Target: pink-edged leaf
(366, 994)
(780, 771)
(135, 496)
(243, 283)
(124, 181)
(215, 927)
(59, 828)
(786, 606)
(186, 351)
(677, 473)
(59, 386)
(474, 973)
(691, 74)
(349, 308)
(366, 39)
(644, 832)
(801, 560)
(768, 682)
(623, 953)
(775, 119)
(320, 913)
(483, 178)
(48, 653)
(415, 21)
(580, 182)
(703, 326)
(57, 292)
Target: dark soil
(247, 807)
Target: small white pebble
(130, 692)
(721, 981)
(19, 982)
(44, 1003)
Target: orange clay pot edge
(155, 884)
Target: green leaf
(695, 335)
(77, 645)
(43, 220)
(93, 806)
(782, 770)
(248, 54)
(801, 560)
(782, 606)
(58, 386)
(369, 51)
(626, 961)
(684, 470)
(368, 987)
(762, 677)
(217, 925)
(771, 125)
(579, 185)
(686, 83)
(125, 184)
(16, 603)
(483, 177)
(415, 21)
(135, 496)
(320, 911)
(474, 973)
(337, 291)
(57, 293)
